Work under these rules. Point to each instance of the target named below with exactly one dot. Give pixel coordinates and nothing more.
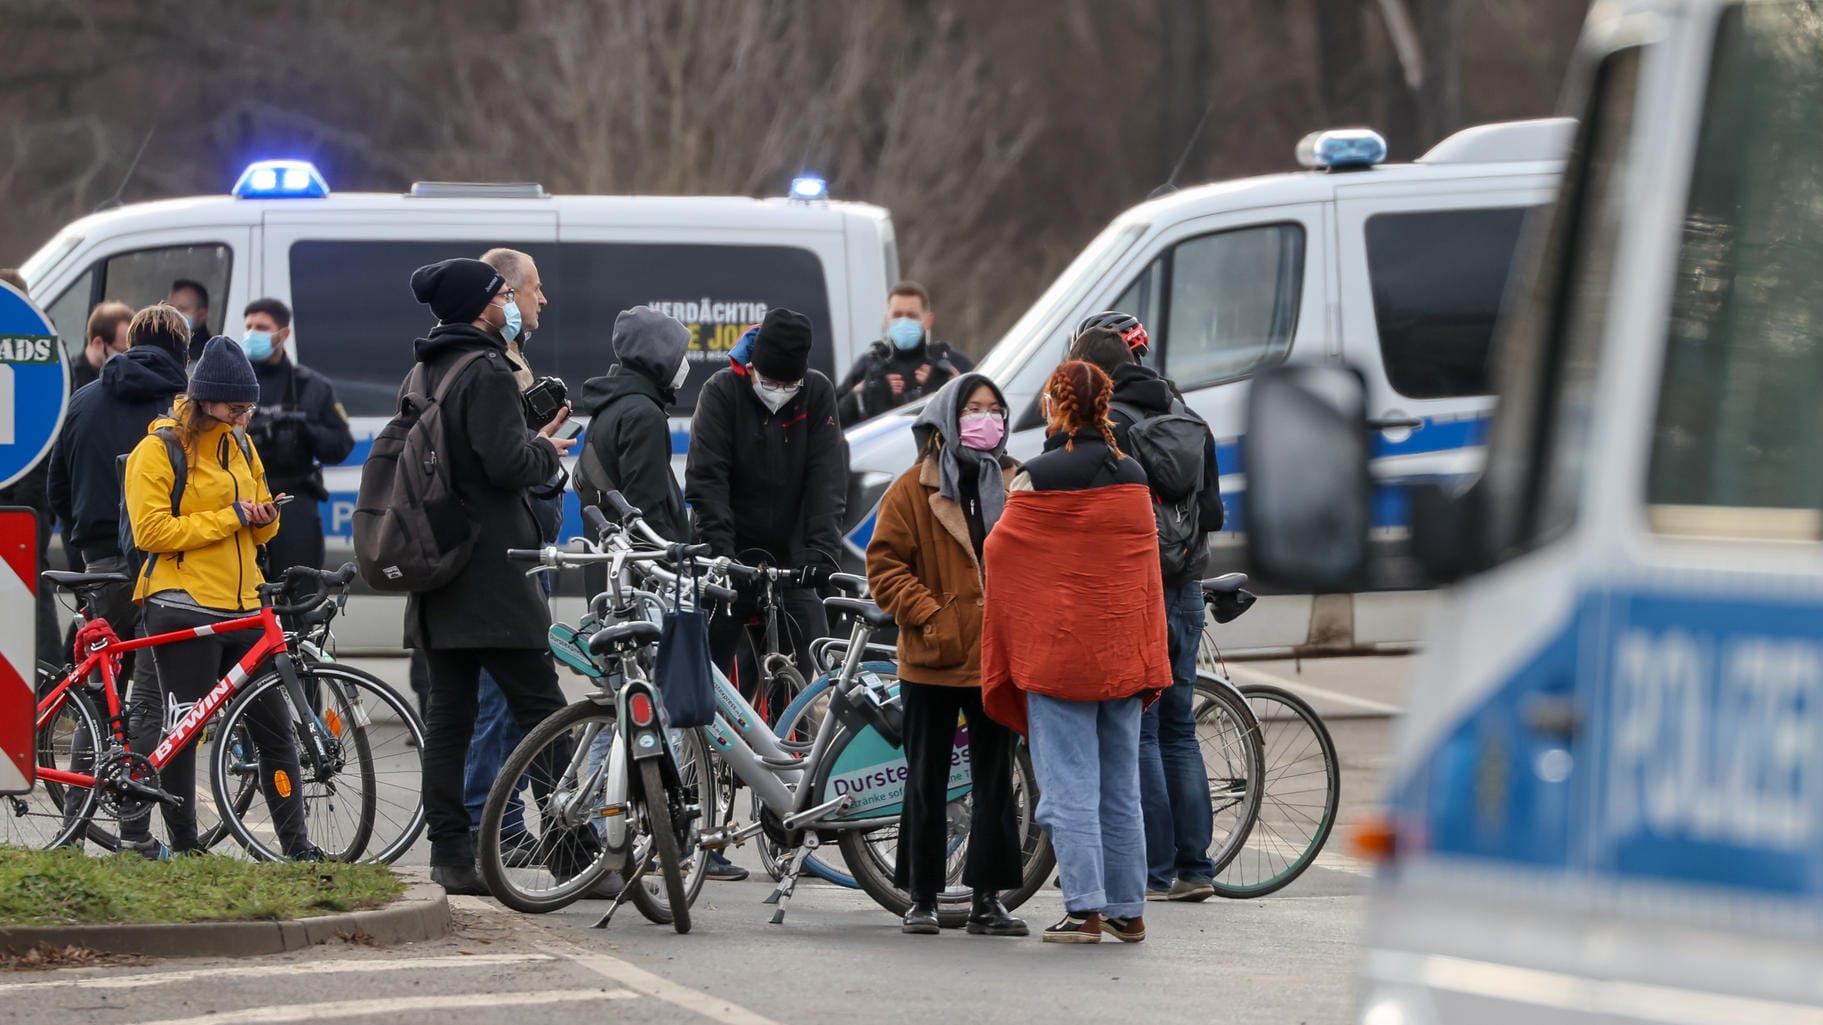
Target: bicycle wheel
(872, 855)
(695, 804)
(1233, 761)
(1301, 786)
(364, 802)
(541, 844)
(54, 814)
(666, 851)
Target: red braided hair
(1080, 393)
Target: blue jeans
(1086, 754)
(1173, 786)
(496, 734)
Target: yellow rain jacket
(205, 551)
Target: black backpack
(1170, 448)
(180, 475)
(411, 530)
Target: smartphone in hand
(567, 430)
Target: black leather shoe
(921, 920)
(989, 917)
(460, 880)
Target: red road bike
(358, 743)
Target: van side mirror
(1308, 503)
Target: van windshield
(1044, 320)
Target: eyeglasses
(994, 411)
(236, 410)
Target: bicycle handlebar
(332, 584)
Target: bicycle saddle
(874, 615)
(621, 635)
(1227, 583)
(81, 581)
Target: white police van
(1607, 795)
(1397, 268)
(342, 260)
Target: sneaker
(1076, 929)
(1126, 930)
(310, 853)
(724, 871)
(1164, 894)
(151, 849)
(607, 887)
(1194, 891)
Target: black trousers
(801, 620)
(187, 670)
(528, 681)
(994, 860)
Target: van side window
(1234, 299)
(141, 278)
(1550, 348)
(1437, 279)
(1144, 300)
(1737, 449)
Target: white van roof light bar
(476, 190)
(1341, 149)
(1508, 142)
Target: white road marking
(255, 970)
(280, 1014)
(1247, 674)
(712, 1007)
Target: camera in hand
(543, 400)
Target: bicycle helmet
(1126, 325)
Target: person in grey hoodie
(629, 441)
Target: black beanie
(223, 374)
(781, 351)
(456, 290)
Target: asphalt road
(1288, 958)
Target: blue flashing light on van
(1341, 149)
(281, 179)
(809, 189)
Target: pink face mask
(982, 431)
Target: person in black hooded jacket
(628, 448)
(767, 474)
(491, 615)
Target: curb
(421, 914)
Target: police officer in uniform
(299, 428)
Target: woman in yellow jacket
(200, 569)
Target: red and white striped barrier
(18, 643)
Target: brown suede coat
(922, 569)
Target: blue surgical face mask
(513, 321)
(189, 325)
(906, 333)
(258, 345)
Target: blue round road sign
(34, 385)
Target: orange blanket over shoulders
(1075, 603)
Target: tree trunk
(1440, 96)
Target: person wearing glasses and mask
(201, 569)
(924, 567)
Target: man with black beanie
(491, 615)
(767, 477)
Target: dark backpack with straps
(1170, 448)
(411, 530)
(180, 476)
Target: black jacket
(629, 447)
(105, 420)
(298, 427)
(1089, 463)
(493, 462)
(1142, 386)
(882, 358)
(776, 482)
(81, 374)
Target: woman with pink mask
(924, 567)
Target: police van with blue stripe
(342, 261)
(1607, 795)
(1398, 268)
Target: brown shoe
(1076, 929)
(1126, 930)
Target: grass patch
(69, 887)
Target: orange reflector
(333, 720)
(281, 781)
(1374, 838)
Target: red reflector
(640, 708)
